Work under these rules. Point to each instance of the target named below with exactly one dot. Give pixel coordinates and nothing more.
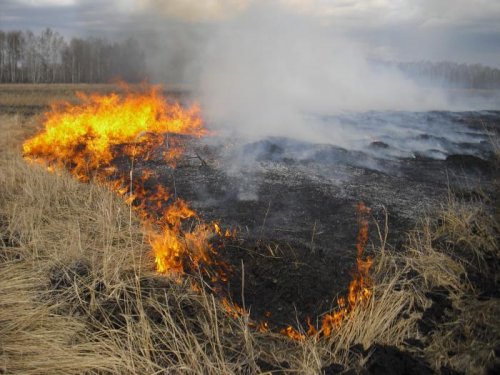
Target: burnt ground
(294, 202)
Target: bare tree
(3, 55)
(14, 47)
(47, 58)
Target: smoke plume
(272, 72)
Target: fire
(84, 135)
(233, 309)
(92, 138)
(360, 290)
(87, 138)
(293, 333)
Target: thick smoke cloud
(271, 72)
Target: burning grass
(89, 137)
(81, 262)
(77, 282)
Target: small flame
(233, 309)
(311, 329)
(293, 333)
(360, 287)
(263, 326)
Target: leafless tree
(48, 58)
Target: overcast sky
(455, 30)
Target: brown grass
(451, 253)
(78, 291)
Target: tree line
(47, 57)
(452, 75)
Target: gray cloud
(71, 18)
(18, 15)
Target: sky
(465, 31)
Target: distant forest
(47, 57)
(453, 75)
(449, 74)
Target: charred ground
(293, 204)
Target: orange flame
(293, 333)
(360, 286)
(83, 135)
(233, 309)
(86, 138)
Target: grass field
(79, 294)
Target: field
(79, 292)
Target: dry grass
(458, 253)
(84, 267)
(78, 293)
(93, 271)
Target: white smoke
(271, 72)
(266, 69)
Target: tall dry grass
(458, 253)
(30, 99)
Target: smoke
(195, 10)
(268, 69)
(272, 72)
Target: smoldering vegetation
(365, 156)
(385, 136)
(293, 201)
